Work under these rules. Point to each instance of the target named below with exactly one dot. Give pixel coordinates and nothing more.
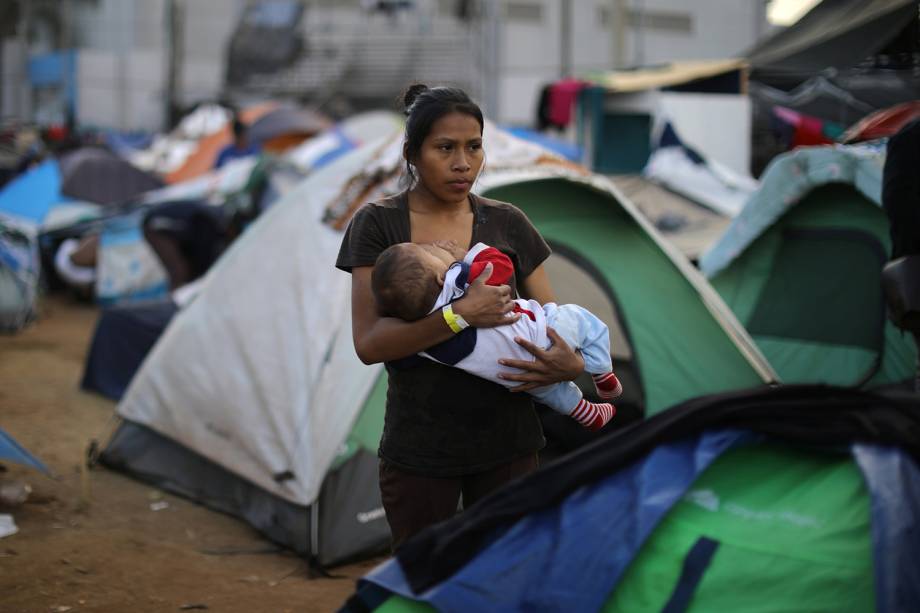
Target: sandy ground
(89, 540)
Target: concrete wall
(208, 25)
(123, 46)
(12, 76)
(654, 31)
(665, 30)
(118, 90)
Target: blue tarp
(31, 195)
(14, 452)
(596, 531)
(572, 555)
(560, 147)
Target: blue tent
(12, 451)
(31, 195)
(738, 501)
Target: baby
(412, 280)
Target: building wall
(208, 25)
(123, 46)
(665, 30)
(654, 31)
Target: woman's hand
(486, 306)
(554, 365)
(451, 247)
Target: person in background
(187, 237)
(75, 263)
(239, 148)
(449, 435)
(901, 199)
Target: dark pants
(413, 502)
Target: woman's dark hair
(424, 106)
(402, 286)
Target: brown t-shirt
(441, 421)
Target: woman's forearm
(392, 339)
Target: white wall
(12, 96)
(123, 91)
(208, 25)
(718, 29)
(716, 125)
(127, 89)
(531, 50)
(529, 58)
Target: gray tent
(96, 175)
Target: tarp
(12, 451)
(202, 159)
(569, 151)
(127, 268)
(666, 75)
(883, 123)
(618, 525)
(684, 170)
(30, 196)
(834, 34)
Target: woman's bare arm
(558, 363)
(381, 339)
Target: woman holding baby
(448, 434)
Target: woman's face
(450, 157)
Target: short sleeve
(364, 240)
(531, 249)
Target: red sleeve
(502, 268)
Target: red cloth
(810, 132)
(562, 96)
(502, 268)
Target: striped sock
(607, 385)
(593, 416)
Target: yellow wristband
(456, 322)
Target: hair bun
(414, 91)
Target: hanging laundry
(562, 97)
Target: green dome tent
(796, 498)
(801, 268)
(671, 334)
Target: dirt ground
(91, 540)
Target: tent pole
(314, 530)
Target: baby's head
(407, 280)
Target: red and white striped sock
(593, 416)
(607, 385)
